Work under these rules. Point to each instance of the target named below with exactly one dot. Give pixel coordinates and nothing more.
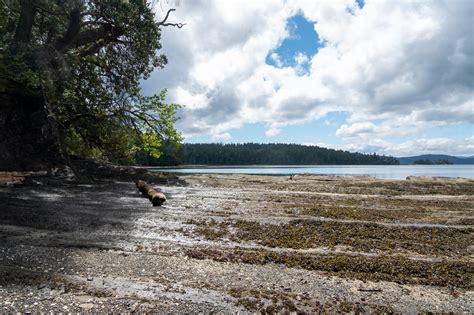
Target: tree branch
(76, 118)
(163, 22)
(166, 16)
(94, 48)
(72, 30)
(50, 12)
(92, 36)
(25, 22)
(178, 25)
(98, 37)
(144, 120)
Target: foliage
(431, 162)
(171, 154)
(265, 154)
(86, 59)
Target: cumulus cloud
(397, 67)
(221, 136)
(359, 129)
(435, 145)
(440, 145)
(301, 63)
(276, 59)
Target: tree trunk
(29, 140)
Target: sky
(391, 77)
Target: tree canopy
(262, 154)
(85, 60)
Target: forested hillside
(262, 154)
(435, 158)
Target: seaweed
(397, 269)
(368, 237)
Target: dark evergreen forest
(260, 154)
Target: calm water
(379, 171)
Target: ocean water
(378, 171)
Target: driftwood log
(157, 198)
(11, 179)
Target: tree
(69, 80)
(262, 154)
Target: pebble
(86, 306)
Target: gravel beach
(239, 243)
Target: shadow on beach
(41, 225)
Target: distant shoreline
(391, 172)
(193, 166)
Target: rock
(86, 306)
(85, 298)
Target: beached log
(142, 185)
(146, 190)
(13, 179)
(10, 179)
(157, 198)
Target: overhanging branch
(164, 23)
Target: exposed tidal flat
(306, 243)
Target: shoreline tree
(69, 82)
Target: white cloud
(440, 145)
(272, 131)
(435, 145)
(301, 63)
(192, 101)
(397, 67)
(359, 129)
(276, 59)
(222, 136)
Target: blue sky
(302, 39)
(360, 3)
(392, 77)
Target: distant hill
(263, 154)
(436, 157)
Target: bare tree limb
(178, 25)
(163, 22)
(166, 16)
